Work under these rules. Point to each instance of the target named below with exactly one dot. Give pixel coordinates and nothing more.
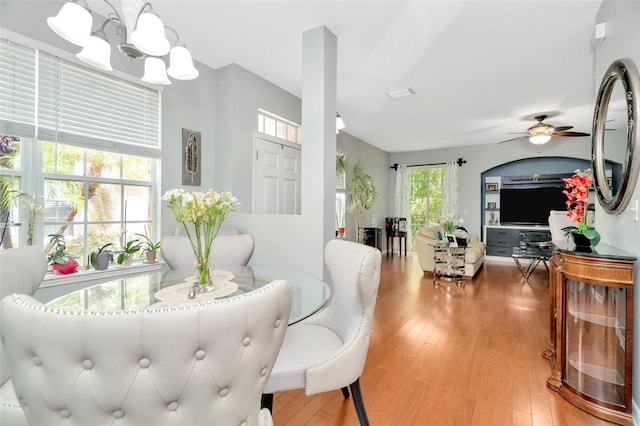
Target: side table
(449, 264)
(402, 235)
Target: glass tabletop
(309, 294)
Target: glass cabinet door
(595, 333)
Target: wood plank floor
(448, 356)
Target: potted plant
(125, 255)
(361, 195)
(100, 258)
(150, 248)
(62, 262)
(577, 192)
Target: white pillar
(319, 75)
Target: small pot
(102, 261)
(70, 267)
(580, 240)
(151, 256)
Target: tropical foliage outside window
(426, 196)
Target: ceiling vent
(401, 93)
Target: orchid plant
(577, 192)
(207, 211)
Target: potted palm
(150, 248)
(361, 195)
(100, 258)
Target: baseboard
(635, 413)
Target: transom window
(272, 125)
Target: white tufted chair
(202, 364)
(327, 351)
(21, 271)
(559, 219)
(227, 250)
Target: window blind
(17, 89)
(79, 106)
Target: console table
(591, 317)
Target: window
(426, 196)
(275, 126)
(92, 166)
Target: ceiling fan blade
(562, 128)
(570, 134)
(514, 139)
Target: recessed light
(401, 93)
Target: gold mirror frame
(624, 71)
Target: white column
(319, 75)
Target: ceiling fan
(540, 133)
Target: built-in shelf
(598, 372)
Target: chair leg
(345, 392)
(359, 403)
(267, 401)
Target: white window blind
(17, 89)
(79, 106)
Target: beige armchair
(427, 236)
(201, 364)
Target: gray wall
(375, 163)
(622, 40)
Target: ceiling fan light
(539, 139)
(97, 52)
(73, 23)
(149, 35)
(181, 64)
(155, 71)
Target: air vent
(401, 93)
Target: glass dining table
(168, 287)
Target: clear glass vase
(203, 273)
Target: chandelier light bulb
(149, 35)
(181, 64)
(155, 71)
(73, 23)
(97, 52)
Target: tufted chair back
(327, 351)
(202, 364)
(21, 271)
(227, 250)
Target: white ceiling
(480, 69)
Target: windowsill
(93, 276)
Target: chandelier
(148, 40)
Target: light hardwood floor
(447, 356)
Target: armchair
(427, 236)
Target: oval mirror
(615, 150)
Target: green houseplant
(125, 255)
(62, 262)
(149, 247)
(361, 195)
(100, 258)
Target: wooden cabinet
(591, 314)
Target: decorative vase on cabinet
(591, 351)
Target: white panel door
(276, 186)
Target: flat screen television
(530, 206)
